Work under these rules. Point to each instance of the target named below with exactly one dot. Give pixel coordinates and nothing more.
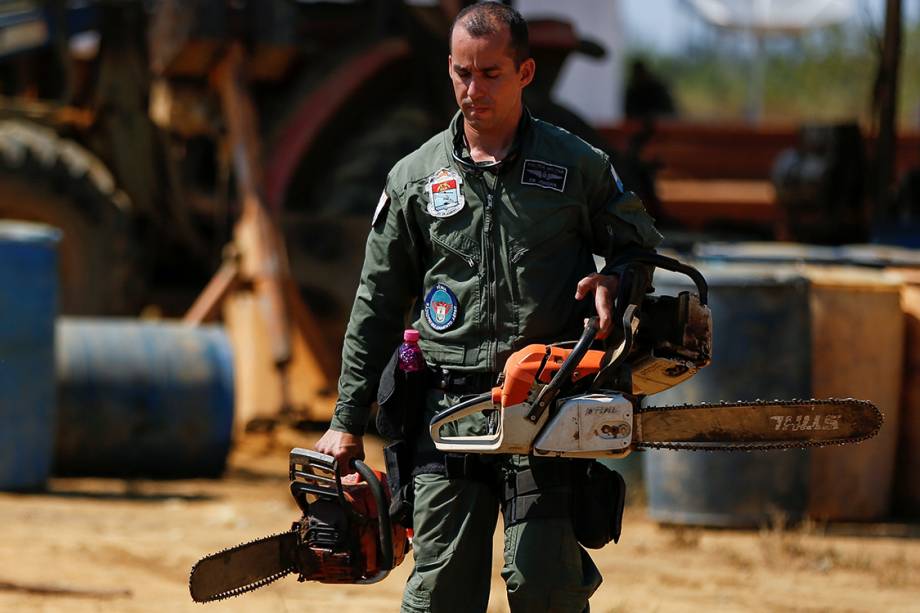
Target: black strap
(524, 499)
(462, 383)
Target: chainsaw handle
(305, 481)
(383, 514)
(476, 404)
(564, 374)
(665, 263)
(630, 294)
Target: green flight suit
(481, 276)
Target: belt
(454, 382)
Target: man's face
(486, 84)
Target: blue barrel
(28, 304)
(142, 399)
(905, 233)
(761, 349)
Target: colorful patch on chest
(441, 307)
(445, 193)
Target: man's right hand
(343, 447)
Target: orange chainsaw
(344, 536)
(575, 401)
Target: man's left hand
(605, 291)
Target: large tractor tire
(49, 179)
(327, 222)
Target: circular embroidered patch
(441, 307)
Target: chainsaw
(576, 401)
(344, 536)
(565, 399)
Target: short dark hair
(486, 18)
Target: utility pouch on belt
(399, 461)
(599, 498)
(400, 399)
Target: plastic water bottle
(410, 354)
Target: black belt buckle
(465, 382)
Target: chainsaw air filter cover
(675, 341)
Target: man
(484, 237)
(646, 95)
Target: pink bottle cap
(411, 335)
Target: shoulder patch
(616, 178)
(544, 174)
(382, 206)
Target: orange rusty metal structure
(277, 341)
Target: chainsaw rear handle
(383, 517)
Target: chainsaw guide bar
(246, 567)
(772, 425)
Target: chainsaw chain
(756, 446)
(246, 588)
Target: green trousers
(545, 569)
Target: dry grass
(681, 537)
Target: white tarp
(766, 16)
(592, 87)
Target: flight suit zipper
(489, 229)
(490, 278)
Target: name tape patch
(544, 174)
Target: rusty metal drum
(842, 336)
(857, 341)
(907, 471)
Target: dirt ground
(113, 545)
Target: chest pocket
(454, 249)
(545, 265)
(537, 244)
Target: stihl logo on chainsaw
(794, 423)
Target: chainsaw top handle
(632, 258)
(630, 292)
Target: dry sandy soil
(112, 545)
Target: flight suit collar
(460, 151)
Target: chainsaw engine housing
(586, 425)
(674, 341)
(345, 534)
